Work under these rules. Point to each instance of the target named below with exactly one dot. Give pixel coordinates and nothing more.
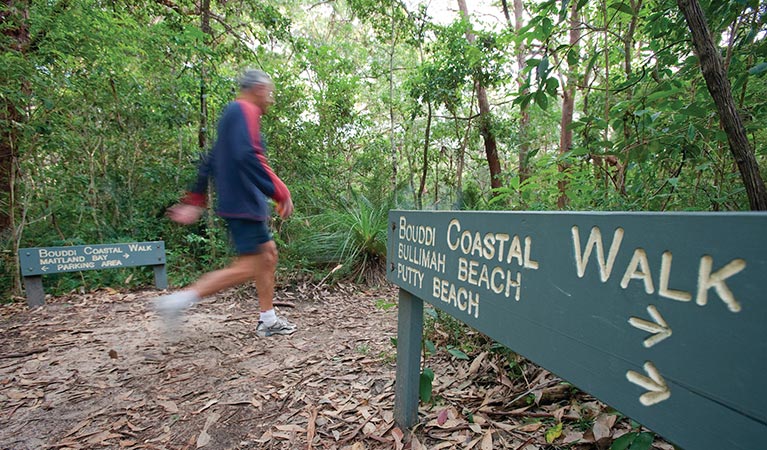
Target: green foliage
(111, 119)
(633, 441)
(425, 387)
(353, 236)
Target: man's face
(264, 96)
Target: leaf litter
(99, 370)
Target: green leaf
(622, 7)
(553, 433)
(457, 354)
(430, 347)
(623, 442)
(543, 68)
(758, 69)
(694, 110)
(425, 384)
(662, 94)
(573, 58)
(691, 133)
(633, 441)
(542, 100)
(551, 86)
(643, 441)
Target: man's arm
(192, 205)
(255, 164)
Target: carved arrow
(657, 386)
(660, 328)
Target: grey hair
(253, 77)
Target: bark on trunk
(15, 17)
(485, 120)
(568, 107)
(202, 134)
(721, 91)
(524, 119)
(425, 165)
(524, 115)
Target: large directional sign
(38, 261)
(661, 315)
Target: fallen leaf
(572, 436)
(603, 426)
(169, 406)
(553, 433)
(397, 434)
(204, 438)
(442, 417)
(487, 441)
(207, 405)
(530, 427)
(311, 427)
(103, 436)
(291, 428)
(474, 367)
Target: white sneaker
(171, 307)
(281, 326)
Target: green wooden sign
(39, 261)
(661, 315)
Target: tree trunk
(524, 115)
(425, 165)
(721, 91)
(485, 119)
(568, 106)
(393, 180)
(524, 120)
(15, 17)
(202, 134)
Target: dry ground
(100, 371)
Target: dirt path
(99, 371)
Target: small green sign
(660, 315)
(38, 261)
(48, 260)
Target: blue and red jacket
(237, 163)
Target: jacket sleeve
(197, 194)
(254, 164)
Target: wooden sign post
(661, 315)
(39, 261)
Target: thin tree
(719, 86)
(568, 106)
(485, 118)
(14, 16)
(524, 115)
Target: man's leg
(269, 324)
(241, 270)
(266, 265)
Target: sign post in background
(39, 261)
(661, 315)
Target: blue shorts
(248, 235)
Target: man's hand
(285, 209)
(184, 214)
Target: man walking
(243, 181)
